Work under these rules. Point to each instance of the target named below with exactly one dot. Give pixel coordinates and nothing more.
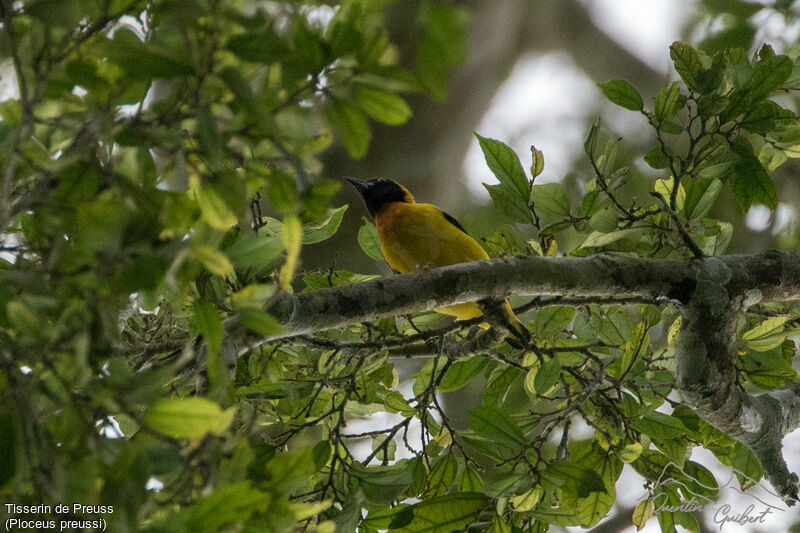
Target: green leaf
(383, 106)
(443, 45)
(746, 467)
(257, 252)
(213, 208)
(259, 321)
(471, 481)
(551, 199)
(668, 103)
(325, 227)
(573, 479)
(188, 418)
(505, 165)
(461, 372)
(208, 322)
(769, 75)
(701, 197)
(750, 181)
(383, 484)
(496, 425)
(350, 124)
(687, 63)
(442, 476)
(656, 159)
(369, 241)
(547, 376)
(445, 514)
(214, 260)
(552, 320)
(537, 162)
(605, 221)
(227, 504)
(770, 369)
(623, 94)
(141, 61)
(509, 202)
(597, 239)
(659, 426)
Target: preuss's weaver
(414, 236)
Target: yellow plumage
(414, 236)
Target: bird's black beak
(360, 185)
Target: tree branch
(706, 375)
(711, 293)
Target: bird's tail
(518, 335)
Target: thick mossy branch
(769, 276)
(705, 360)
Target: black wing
(454, 222)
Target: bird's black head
(377, 192)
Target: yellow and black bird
(414, 236)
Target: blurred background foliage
(170, 167)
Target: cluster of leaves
(160, 174)
(168, 150)
(608, 365)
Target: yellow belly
(417, 236)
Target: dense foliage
(160, 176)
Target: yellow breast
(415, 236)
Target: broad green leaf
(527, 500)
(461, 372)
(141, 60)
(656, 159)
(550, 199)
(770, 369)
(597, 239)
(214, 260)
(208, 322)
(325, 227)
(383, 484)
(369, 241)
(188, 418)
(445, 514)
(509, 203)
(659, 426)
(350, 124)
(687, 63)
(746, 467)
(573, 479)
(551, 320)
(701, 197)
(496, 425)
(664, 187)
(769, 75)
(605, 220)
(637, 343)
(547, 377)
(259, 321)
(623, 94)
(382, 106)
(471, 481)
(257, 252)
(443, 45)
(767, 335)
(442, 476)
(630, 452)
(215, 211)
(505, 165)
(751, 182)
(668, 103)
